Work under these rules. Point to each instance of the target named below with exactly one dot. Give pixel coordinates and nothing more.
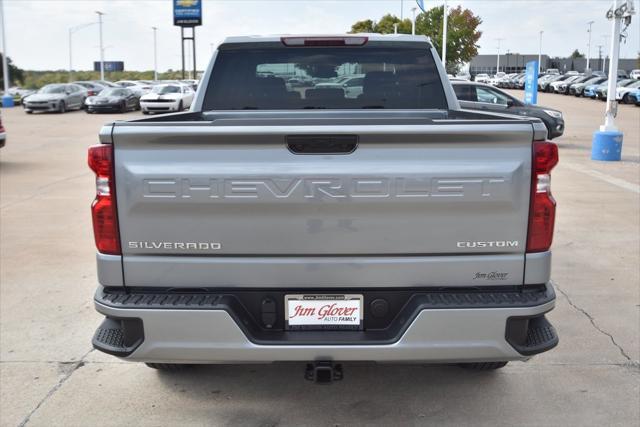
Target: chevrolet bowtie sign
(187, 13)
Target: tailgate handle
(322, 144)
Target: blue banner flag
(531, 83)
(421, 5)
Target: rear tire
(625, 99)
(483, 366)
(167, 367)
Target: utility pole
(101, 47)
(155, 54)
(401, 10)
(413, 21)
(444, 36)
(7, 100)
(540, 53)
(498, 60)
(590, 23)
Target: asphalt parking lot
(49, 374)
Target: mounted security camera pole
(7, 100)
(607, 142)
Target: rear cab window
(279, 77)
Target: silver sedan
(56, 97)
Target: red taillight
(324, 41)
(103, 209)
(542, 213)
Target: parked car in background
(590, 90)
(3, 133)
(572, 73)
(19, 94)
(166, 98)
(351, 85)
(601, 92)
(93, 88)
(546, 85)
(576, 89)
(482, 78)
(634, 97)
(483, 97)
(634, 74)
(493, 81)
(557, 85)
(622, 93)
(136, 86)
(118, 99)
(564, 88)
(553, 71)
(623, 74)
(193, 84)
(106, 83)
(56, 97)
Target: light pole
(72, 30)
(540, 53)
(590, 23)
(444, 36)
(413, 21)
(7, 100)
(101, 48)
(498, 60)
(607, 141)
(155, 54)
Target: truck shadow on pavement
(368, 394)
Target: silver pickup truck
(281, 219)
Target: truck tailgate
(438, 204)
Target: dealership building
(515, 62)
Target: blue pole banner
(187, 13)
(421, 5)
(531, 83)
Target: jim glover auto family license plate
(323, 312)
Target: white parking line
(606, 178)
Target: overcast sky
(37, 30)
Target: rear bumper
(439, 326)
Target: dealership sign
(531, 83)
(187, 13)
(109, 66)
